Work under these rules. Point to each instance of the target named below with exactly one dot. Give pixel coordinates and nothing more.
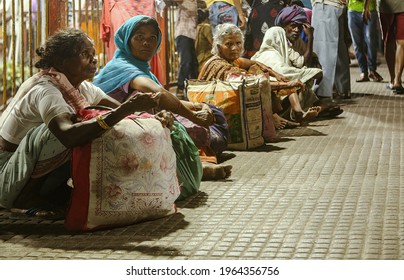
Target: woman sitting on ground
(285, 51)
(128, 73)
(227, 50)
(37, 130)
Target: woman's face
(231, 47)
(82, 66)
(143, 42)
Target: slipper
(330, 112)
(398, 90)
(375, 77)
(363, 78)
(37, 213)
(291, 125)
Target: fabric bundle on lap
(241, 104)
(125, 176)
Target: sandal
(291, 125)
(398, 90)
(330, 112)
(37, 213)
(375, 77)
(363, 78)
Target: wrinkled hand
(296, 83)
(206, 107)
(142, 102)
(166, 118)
(281, 78)
(308, 29)
(204, 117)
(243, 22)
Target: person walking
(364, 38)
(392, 23)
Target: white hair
(223, 30)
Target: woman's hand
(296, 83)
(142, 102)
(280, 77)
(166, 118)
(272, 73)
(204, 117)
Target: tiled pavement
(332, 190)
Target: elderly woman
(285, 51)
(38, 127)
(128, 73)
(227, 49)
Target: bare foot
(279, 122)
(304, 117)
(215, 171)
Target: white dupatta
(277, 53)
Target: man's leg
(389, 38)
(400, 51)
(342, 69)
(356, 27)
(371, 38)
(188, 63)
(325, 44)
(399, 64)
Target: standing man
(328, 20)
(392, 22)
(185, 35)
(229, 11)
(364, 38)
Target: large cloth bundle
(125, 176)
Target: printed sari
(39, 152)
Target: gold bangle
(102, 123)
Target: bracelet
(102, 123)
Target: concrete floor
(332, 190)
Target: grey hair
(223, 30)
